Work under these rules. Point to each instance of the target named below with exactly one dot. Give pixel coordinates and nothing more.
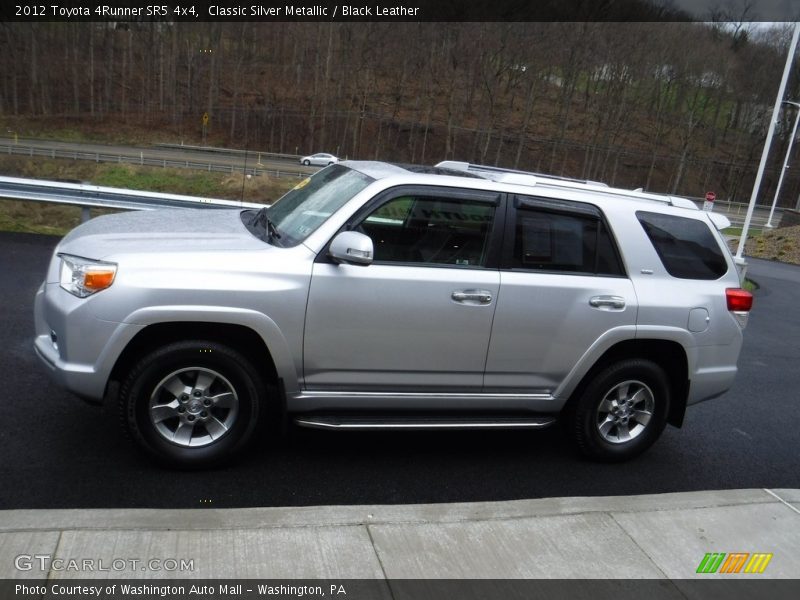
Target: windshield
(299, 213)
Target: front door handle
(472, 296)
(607, 302)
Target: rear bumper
(714, 370)
(710, 383)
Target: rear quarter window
(687, 247)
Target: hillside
(671, 107)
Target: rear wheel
(621, 412)
(306, 162)
(192, 404)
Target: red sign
(711, 196)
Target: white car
(321, 159)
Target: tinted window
(414, 229)
(686, 247)
(559, 241)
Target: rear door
(562, 289)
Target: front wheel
(307, 162)
(191, 404)
(621, 412)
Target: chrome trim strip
(307, 395)
(421, 424)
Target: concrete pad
(304, 516)
(790, 496)
(300, 553)
(547, 547)
(787, 495)
(25, 544)
(677, 540)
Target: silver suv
(378, 296)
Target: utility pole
(796, 105)
(757, 185)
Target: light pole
(769, 224)
(740, 261)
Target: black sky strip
(122, 11)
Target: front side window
(430, 231)
(686, 247)
(562, 241)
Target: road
(175, 156)
(61, 453)
(225, 160)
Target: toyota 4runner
(378, 296)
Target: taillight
(739, 300)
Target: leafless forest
(671, 107)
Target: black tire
(330, 163)
(604, 428)
(307, 162)
(219, 420)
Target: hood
(160, 231)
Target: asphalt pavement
(174, 155)
(404, 516)
(61, 453)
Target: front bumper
(77, 349)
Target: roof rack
(502, 175)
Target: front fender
(261, 324)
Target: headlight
(83, 277)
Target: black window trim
(556, 206)
(658, 250)
(496, 235)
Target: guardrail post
(86, 214)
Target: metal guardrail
(143, 160)
(229, 151)
(737, 211)
(89, 196)
(93, 196)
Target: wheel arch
(237, 336)
(668, 354)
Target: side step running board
(363, 423)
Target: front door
(419, 317)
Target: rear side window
(554, 238)
(686, 247)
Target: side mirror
(352, 247)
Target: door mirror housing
(352, 248)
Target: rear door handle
(472, 296)
(607, 302)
